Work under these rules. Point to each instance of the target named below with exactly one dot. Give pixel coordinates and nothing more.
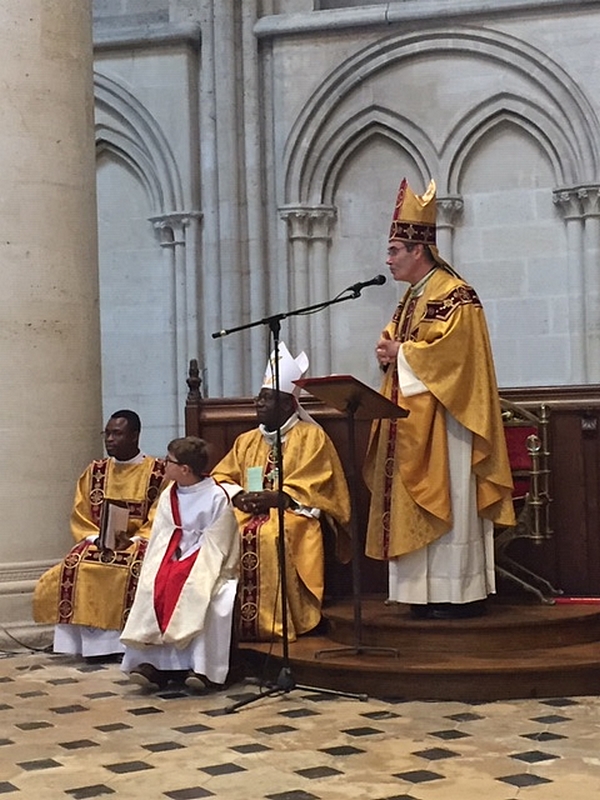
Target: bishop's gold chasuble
(445, 341)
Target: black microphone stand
(285, 682)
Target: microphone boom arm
(295, 313)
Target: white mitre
(290, 369)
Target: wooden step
(504, 629)
(515, 651)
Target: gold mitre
(414, 215)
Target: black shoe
(420, 611)
(200, 683)
(148, 677)
(106, 658)
(477, 608)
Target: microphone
(378, 280)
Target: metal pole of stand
(285, 681)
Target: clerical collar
(135, 460)
(271, 436)
(417, 288)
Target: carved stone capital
(449, 210)
(578, 202)
(309, 222)
(589, 197)
(568, 202)
(171, 227)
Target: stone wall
(306, 122)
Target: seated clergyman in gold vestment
(439, 478)
(314, 487)
(89, 594)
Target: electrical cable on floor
(5, 653)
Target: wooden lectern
(357, 401)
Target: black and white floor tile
(72, 730)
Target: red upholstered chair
(527, 441)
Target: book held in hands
(113, 519)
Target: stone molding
(127, 129)
(277, 25)
(156, 35)
(24, 572)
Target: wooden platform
(515, 651)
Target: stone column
(49, 343)
(298, 222)
(178, 234)
(262, 268)
(323, 219)
(224, 269)
(568, 202)
(449, 210)
(589, 197)
(309, 234)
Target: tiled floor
(71, 730)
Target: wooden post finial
(194, 382)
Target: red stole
(172, 573)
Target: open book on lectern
(346, 393)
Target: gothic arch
(352, 134)
(129, 153)
(560, 102)
(128, 130)
(521, 113)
